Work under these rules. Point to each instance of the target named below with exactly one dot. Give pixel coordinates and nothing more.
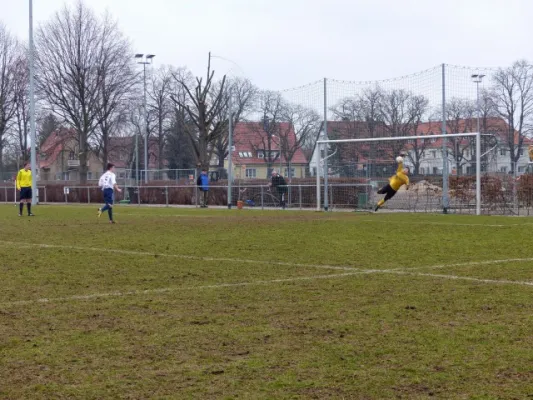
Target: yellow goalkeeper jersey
(399, 179)
(23, 179)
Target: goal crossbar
(476, 135)
(395, 138)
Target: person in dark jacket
(279, 183)
(203, 184)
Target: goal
(444, 172)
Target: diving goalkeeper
(395, 183)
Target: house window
(241, 154)
(122, 175)
(121, 157)
(434, 153)
(251, 172)
(521, 152)
(71, 155)
(435, 170)
(287, 173)
(467, 154)
(260, 154)
(89, 175)
(521, 169)
(503, 169)
(503, 151)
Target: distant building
(251, 152)
(58, 157)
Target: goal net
(444, 172)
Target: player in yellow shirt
(24, 187)
(395, 183)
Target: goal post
(371, 161)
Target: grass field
(218, 304)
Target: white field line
(176, 289)
(259, 282)
(463, 278)
(179, 256)
(248, 261)
(443, 223)
(355, 271)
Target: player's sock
(28, 205)
(381, 202)
(21, 208)
(110, 212)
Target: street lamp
(144, 60)
(33, 152)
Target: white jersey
(107, 180)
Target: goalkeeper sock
(381, 202)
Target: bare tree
(460, 119)
(266, 134)
(9, 58)
(512, 95)
(243, 98)
(397, 115)
(117, 79)
(160, 106)
(81, 68)
(418, 107)
(303, 123)
(179, 150)
(22, 105)
(362, 118)
(203, 104)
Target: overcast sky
(280, 44)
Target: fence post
(330, 196)
(138, 195)
(166, 195)
(300, 195)
(45, 195)
(88, 195)
(262, 204)
(5, 194)
(196, 196)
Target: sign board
(66, 190)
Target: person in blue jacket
(203, 184)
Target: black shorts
(25, 193)
(388, 191)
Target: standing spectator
(108, 183)
(279, 183)
(203, 184)
(24, 187)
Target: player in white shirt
(108, 183)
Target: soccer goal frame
(324, 145)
